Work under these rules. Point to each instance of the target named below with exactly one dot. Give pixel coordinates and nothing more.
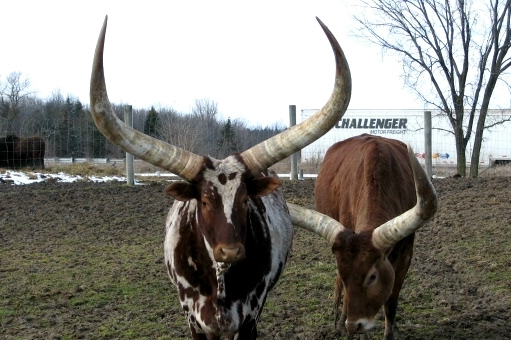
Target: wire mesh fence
(408, 126)
(73, 138)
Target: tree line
(67, 127)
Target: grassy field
(85, 261)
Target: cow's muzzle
(359, 326)
(229, 253)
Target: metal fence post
(427, 143)
(294, 157)
(130, 172)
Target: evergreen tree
(4, 108)
(97, 142)
(72, 137)
(68, 132)
(62, 132)
(152, 123)
(228, 142)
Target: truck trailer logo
(376, 125)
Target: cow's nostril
(361, 326)
(355, 327)
(230, 254)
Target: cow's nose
(353, 327)
(359, 327)
(229, 253)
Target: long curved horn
(174, 159)
(315, 222)
(187, 164)
(276, 148)
(391, 232)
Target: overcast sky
(253, 59)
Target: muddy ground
(84, 261)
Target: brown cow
(7, 146)
(30, 152)
(18, 152)
(380, 195)
(228, 232)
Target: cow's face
(222, 195)
(367, 279)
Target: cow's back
(365, 181)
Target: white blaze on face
(228, 190)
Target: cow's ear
(181, 191)
(262, 186)
(387, 252)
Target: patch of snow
(22, 178)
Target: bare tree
(12, 94)
(205, 115)
(205, 109)
(457, 48)
(181, 131)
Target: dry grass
(86, 169)
(118, 168)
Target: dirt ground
(57, 277)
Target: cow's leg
(247, 331)
(401, 263)
(200, 336)
(390, 318)
(390, 307)
(340, 322)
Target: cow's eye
(371, 278)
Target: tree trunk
(461, 163)
(478, 138)
(461, 144)
(474, 165)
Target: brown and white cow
(229, 231)
(380, 194)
